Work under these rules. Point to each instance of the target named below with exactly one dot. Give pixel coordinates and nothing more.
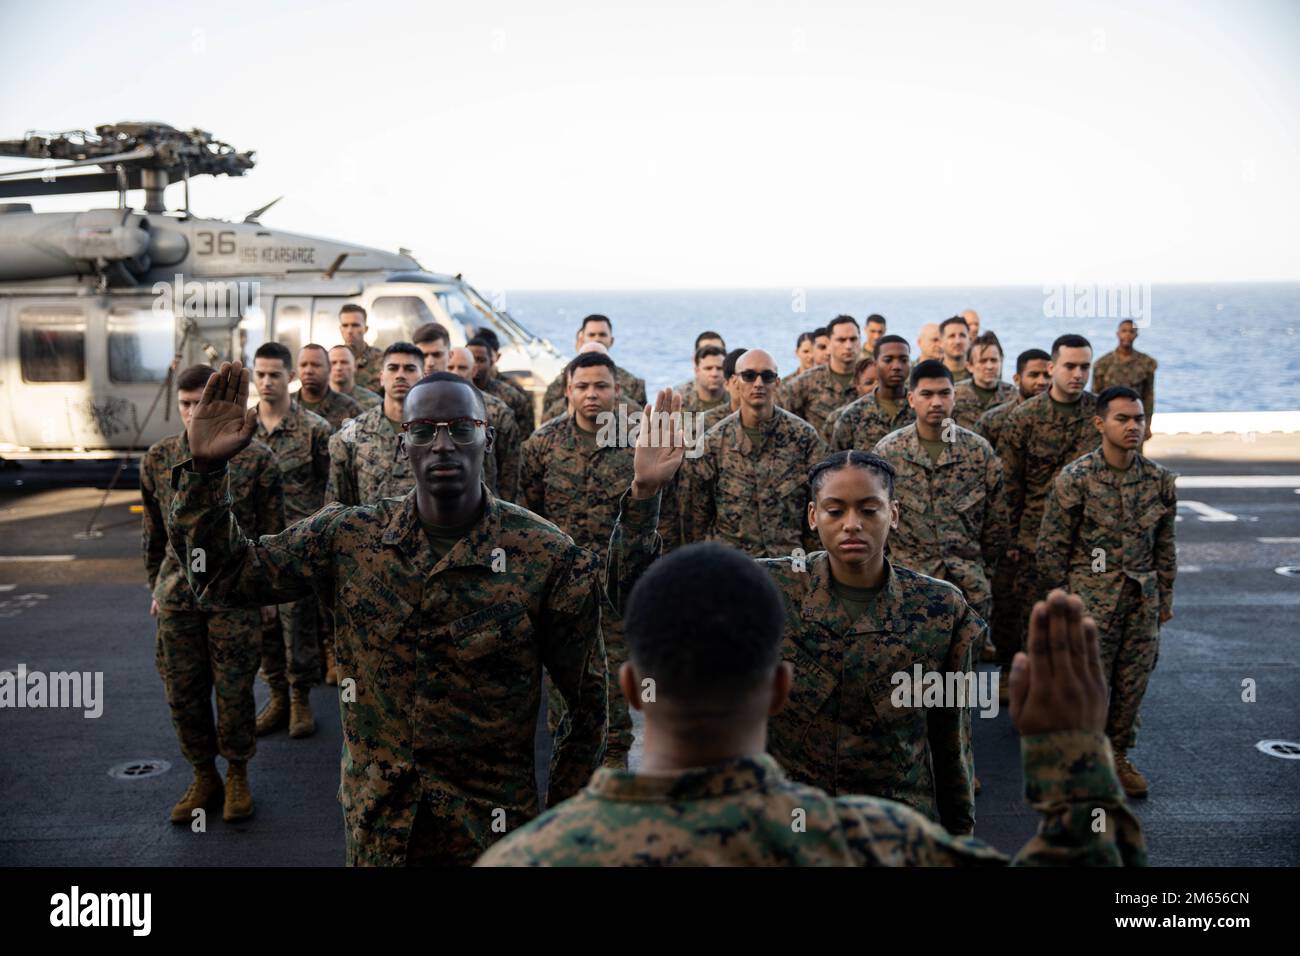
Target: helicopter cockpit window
(250, 335)
(458, 307)
(141, 343)
(52, 345)
(394, 318)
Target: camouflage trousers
(1130, 646)
(1027, 594)
(450, 832)
(618, 742)
(1008, 605)
(291, 647)
(197, 652)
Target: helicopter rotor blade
(142, 152)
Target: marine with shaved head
(449, 602)
(749, 486)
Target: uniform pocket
(1151, 517)
(810, 691)
(495, 647)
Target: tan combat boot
(331, 666)
(275, 714)
(1130, 778)
(239, 801)
(204, 790)
(301, 721)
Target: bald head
(928, 342)
(756, 359)
(593, 347)
(972, 322)
(460, 361)
(756, 398)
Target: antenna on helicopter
(256, 214)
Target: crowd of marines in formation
(751, 573)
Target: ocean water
(1227, 347)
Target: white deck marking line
(1238, 481)
(37, 557)
(1205, 512)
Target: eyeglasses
(749, 376)
(423, 431)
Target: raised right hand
(660, 445)
(1059, 684)
(222, 424)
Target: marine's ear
(782, 678)
(629, 682)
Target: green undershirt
(843, 381)
(586, 439)
(890, 408)
(442, 540)
(856, 601)
(755, 434)
(1065, 408)
(985, 394)
(932, 448)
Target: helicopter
(98, 308)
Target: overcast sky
(719, 145)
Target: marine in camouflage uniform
(520, 402)
(364, 463)
(199, 650)
(969, 404)
(577, 484)
(1138, 373)
(692, 403)
(840, 731)
(334, 407)
(631, 390)
(370, 362)
(501, 467)
(713, 416)
(816, 393)
(739, 813)
(753, 496)
(952, 518)
(991, 425)
(445, 648)
(364, 397)
(1004, 625)
(300, 445)
(1039, 440)
(863, 423)
(1108, 536)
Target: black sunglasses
(748, 376)
(423, 431)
